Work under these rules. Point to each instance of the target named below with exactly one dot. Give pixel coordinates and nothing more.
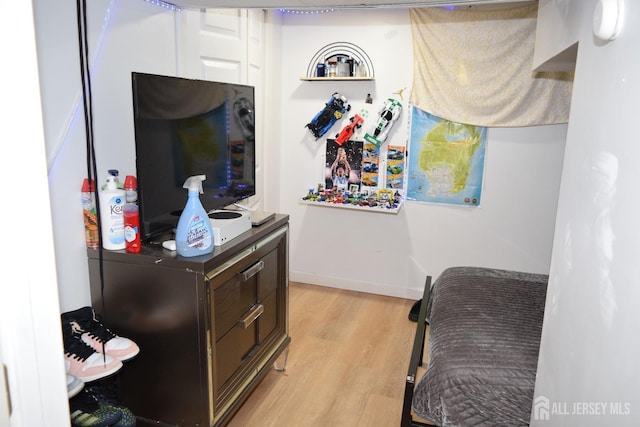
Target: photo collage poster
(343, 167)
(371, 166)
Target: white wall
(391, 254)
(123, 37)
(148, 32)
(590, 349)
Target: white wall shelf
(340, 49)
(377, 209)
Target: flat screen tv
(185, 127)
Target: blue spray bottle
(194, 235)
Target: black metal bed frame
(417, 356)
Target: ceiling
(339, 4)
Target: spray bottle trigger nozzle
(194, 183)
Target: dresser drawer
(247, 300)
(233, 348)
(231, 301)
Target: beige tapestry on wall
(475, 67)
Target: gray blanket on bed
(484, 338)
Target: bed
(484, 337)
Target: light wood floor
(347, 363)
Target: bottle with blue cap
(194, 235)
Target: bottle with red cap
(89, 213)
(131, 216)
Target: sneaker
(99, 337)
(415, 312)
(87, 412)
(74, 385)
(107, 395)
(83, 362)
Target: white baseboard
(357, 286)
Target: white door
(30, 333)
(228, 45)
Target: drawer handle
(253, 270)
(253, 314)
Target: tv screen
(185, 127)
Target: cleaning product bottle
(131, 216)
(194, 235)
(111, 216)
(89, 213)
(115, 173)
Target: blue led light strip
(164, 4)
(307, 12)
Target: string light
(165, 5)
(307, 12)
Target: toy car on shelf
(387, 116)
(395, 155)
(394, 169)
(347, 132)
(370, 167)
(369, 182)
(332, 111)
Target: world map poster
(446, 160)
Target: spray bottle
(194, 235)
(111, 216)
(89, 213)
(131, 216)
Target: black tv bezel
(166, 220)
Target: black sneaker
(82, 361)
(99, 337)
(86, 412)
(415, 311)
(107, 396)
